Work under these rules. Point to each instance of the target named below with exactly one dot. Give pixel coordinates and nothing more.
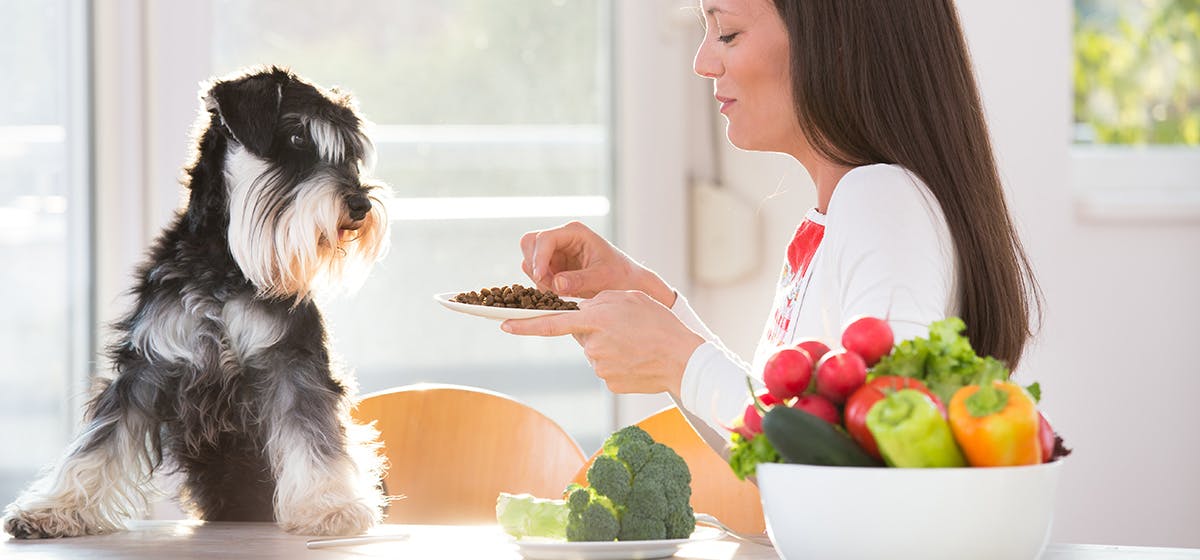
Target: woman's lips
(725, 102)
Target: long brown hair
(890, 81)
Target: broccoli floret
(592, 517)
(610, 477)
(680, 523)
(645, 486)
(641, 528)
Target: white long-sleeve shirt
(882, 249)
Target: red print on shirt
(799, 256)
(803, 246)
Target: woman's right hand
(572, 260)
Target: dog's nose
(359, 205)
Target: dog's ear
(248, 107)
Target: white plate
(637, 550)
(497, 313)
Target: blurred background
(496, 118)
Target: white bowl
(898, 514)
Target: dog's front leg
(103, 477)
(326, 471)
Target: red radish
(1045, 437)
(767, 399)
(818, 406)
(751, 421)
(816, 349)
(868, 337)
(740, 429)
(839, 374)
(751, 418)
(787, 373)
(862, 399)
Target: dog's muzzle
(357, 205)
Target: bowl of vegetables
(954, 513)
(921, 449)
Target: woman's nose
(706, 64)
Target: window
(1137, 112)
(490, 119)
(44, 232)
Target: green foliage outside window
(1137, 71)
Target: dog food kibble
(518, 297)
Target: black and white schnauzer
(221, 371)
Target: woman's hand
(634, 343)
(573, 260)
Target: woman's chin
(758, 142)
(747, 142)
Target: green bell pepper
(912, 433)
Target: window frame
(1115, 183)
(81, 226)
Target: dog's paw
(48, 523)
(350, 519)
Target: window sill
(1138, 205)
(1136, 184)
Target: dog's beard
(290, 242)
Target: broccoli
(591, 516)
(639, 490)
(644, 486)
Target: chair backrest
(715, 489)
(451, 450)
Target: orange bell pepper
(996, 425)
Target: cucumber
(802, 438)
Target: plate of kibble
(508, 302)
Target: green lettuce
(523, 515)
(945, 362)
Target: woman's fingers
(558, 324)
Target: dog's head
(302, 213)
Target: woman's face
(745, 53)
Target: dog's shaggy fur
(221, 371)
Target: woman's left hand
(634, 343)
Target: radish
(818, 406)
(787, 373)
(767, 399)
(816, 349)
(868, 337)
(751, 422)
(1045, 437)
(839, 373)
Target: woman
(877, 100)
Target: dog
(221, 371)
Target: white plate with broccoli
(637, 506)
(538, 549)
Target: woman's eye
(298, 141)
(727, 38)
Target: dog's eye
(298, 141)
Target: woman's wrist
(673, 384)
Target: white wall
(1116, 355)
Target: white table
(183, 540)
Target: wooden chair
(451, 450)
(715, 489)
